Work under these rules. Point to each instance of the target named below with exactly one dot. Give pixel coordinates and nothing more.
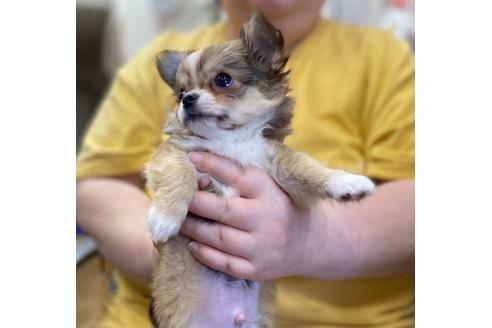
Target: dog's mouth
(193, 115)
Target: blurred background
(110, 32)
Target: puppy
(232, 101)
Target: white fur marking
(352, 186)
(160, 226)
(241, 146)
(191, 63)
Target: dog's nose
(189, 100)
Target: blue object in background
(80, 231)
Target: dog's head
(240, 84)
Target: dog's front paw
(344, 186)
(162, 227)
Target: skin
(371, 238)
(113, 211)
(295, 18)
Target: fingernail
(192, 247)
(196, 157)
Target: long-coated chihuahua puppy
(232, 101)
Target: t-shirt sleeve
(127, 127)
(388, 119)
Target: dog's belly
(229, 303)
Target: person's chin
(271, 8)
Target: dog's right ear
(264, 43)
(168, 62)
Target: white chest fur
(255, 151)
(252, 151)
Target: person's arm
(261, 235)
(119, 142)
(370, 238)
(113, 211)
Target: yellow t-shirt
(354, 92)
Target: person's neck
(294, 29)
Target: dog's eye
(181, 94)
(223, 80)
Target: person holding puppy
(335, 265)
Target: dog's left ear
(264, 44)
(168, 62)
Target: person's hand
(259, 235)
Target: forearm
(370, 238)
(113, 212)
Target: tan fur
(177, 286)
(302, 177)
(267, 301)
(171, 178)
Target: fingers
(229, 211)
(227, 172)
(216, 235)
(232, 265)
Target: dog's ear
(168, 62)
(264, 43)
